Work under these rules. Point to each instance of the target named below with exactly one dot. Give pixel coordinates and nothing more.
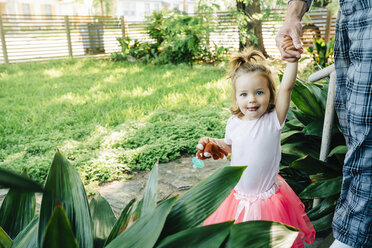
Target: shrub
(301, 139)
(322, 52)
(67, 220)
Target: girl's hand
(287, 44)
(205, 140)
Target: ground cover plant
(107, 117)
(67, 219)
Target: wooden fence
(30, 38)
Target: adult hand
(291, 28)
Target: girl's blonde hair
(248, 61)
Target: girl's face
(252, 95)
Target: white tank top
(256, 144)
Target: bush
(300, 140)
(179, 38)
(67, 219)
(322, 52)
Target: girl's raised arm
(284, 95)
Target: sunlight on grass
(53, 73)
(87, 107)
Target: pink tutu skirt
(279, 204)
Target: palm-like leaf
(322, 189)
(64, 185)
(202, 200)
(261, 234)
(17, 210)
(149, 197)
(27, 238)
(103, 219)
(122, 223)
(5, 240)
(146, 230)
(12, 180)
(205, 236)
(58, 233)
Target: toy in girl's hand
(197, 163)
(210, 150)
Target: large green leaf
(310, 165)
(205, 236)
(314, 128)
(27, 238)
(342, 149)
(202, 200)
(149, 196)
(326, 206)
(103, 219)
(9, 179)
(300, 149)
(287, 135)
(307, 97)
(64, 185)
(5, 240)
(322, 189)
(261, 234)
(146, 230)
(17, 210)
(323, 223)
(58, 233)
(122, 223)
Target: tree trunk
(249, 10)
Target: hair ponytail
(247, 58)
(248, 61)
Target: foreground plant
(67, 220)
(301, 139)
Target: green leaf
(309, 165)
(146, 230)
(323, 223)
(5, 240)
(122, 223)
(261, 234)
(58, 233)
(322, 189)
(17, 210)
(342, 149)
(205, 236)
(202, 200)
(27, 238)
(305, 96)
(314, 128)
(300, 149)
(64, 185)
(103, 219)
(9, 179)
(326, 206)
(285, 136)
(149, 197)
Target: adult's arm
(292, 27)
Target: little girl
(253, 138)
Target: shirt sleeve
(227, 138)
(309, 2)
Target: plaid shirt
(352, 222)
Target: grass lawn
(106, 117)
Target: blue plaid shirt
(352, 222)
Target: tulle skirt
(282, 205)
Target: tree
(250, 24)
